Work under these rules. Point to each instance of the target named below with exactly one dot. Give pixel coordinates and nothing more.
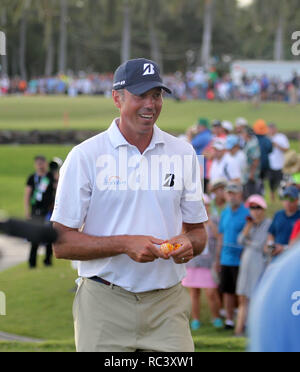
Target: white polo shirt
(107, 187)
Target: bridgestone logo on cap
(148, 69)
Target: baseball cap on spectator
(138, 76)
(256, 199)
(260, 127)
(217, 183)
(227, 125)
(291, 191)
(204, 122)
(241, 122)
(234, 187)
(231, 141)
(216, 123)
(219, 144)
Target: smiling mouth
(147, 117)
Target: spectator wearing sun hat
(227, 126)
(253, 238)
(261, 130)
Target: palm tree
(205, 52)
(151, 13)
(126, 34)
(62, 53)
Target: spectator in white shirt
(280, 146)
(223, 165)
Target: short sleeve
(192, 206)
(282, 141)
(73, 191)
(272, 228)
(221, 225)
(30, 181)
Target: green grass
(15, 166)
(43, 113)
(17, 163)
(39, 305)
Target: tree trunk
(126, 35)
(49, 57)
(62, 55)
(207, 34)
(4, 68)
(278, 45)
(154, 44)
(22, 45)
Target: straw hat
(291, 162)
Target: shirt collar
(117, 139)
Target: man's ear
(116, 98)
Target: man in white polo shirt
(121, 194)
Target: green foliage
(95, 31)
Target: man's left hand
(183, 254)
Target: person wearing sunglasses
(284, 221)
(253, 238)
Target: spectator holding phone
(284, 221)
(253, 238)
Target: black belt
(100, 280)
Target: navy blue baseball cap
(291, 191)
(138, 76)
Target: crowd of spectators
(185, 86)
(244, 236)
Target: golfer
(121, 194)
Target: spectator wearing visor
(253, 238)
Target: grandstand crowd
(185, 86)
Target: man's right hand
(144, 249)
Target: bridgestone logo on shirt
(155, 173)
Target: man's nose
(149, 102)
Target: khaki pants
(111, 319)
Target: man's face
(290, 205)
(272, 131)
(41, 166)
(234, 199)
(139, 113)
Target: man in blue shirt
(203, 136)
(274, 316)
(233, 220)
(284, 220)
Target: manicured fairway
(61, 112)
(39, 305)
